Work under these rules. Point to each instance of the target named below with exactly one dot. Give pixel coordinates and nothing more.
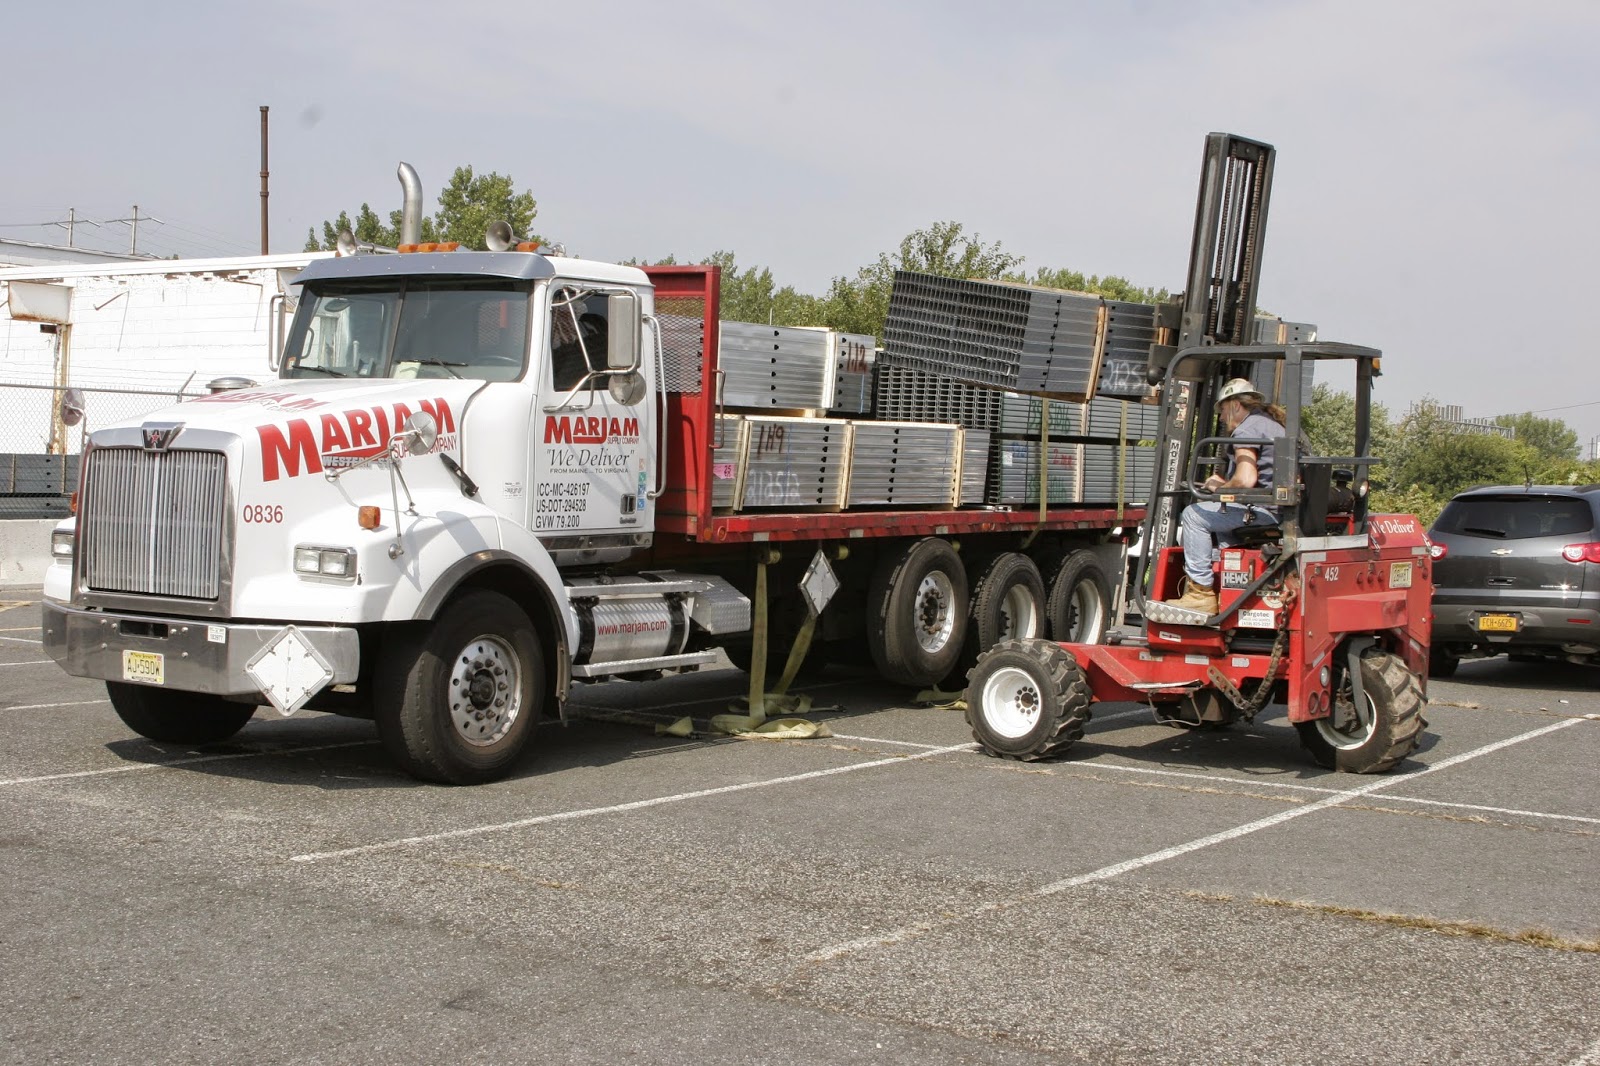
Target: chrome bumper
(199, 656)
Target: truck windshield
(411, 328)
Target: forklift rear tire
(1027, 699)
(1373, 742)
(177, 717)
(919, 613)
(1079, 608)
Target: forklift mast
(1218, 307)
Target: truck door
(593, 445)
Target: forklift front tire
(1372, 740)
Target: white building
(138, 329)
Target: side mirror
(622, 331)
(420, 433)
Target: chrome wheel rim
(485, 691)
(935, 621)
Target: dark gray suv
(1517, 571)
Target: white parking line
(43, 706)
(182, 762)
(20, 640)
(636, 805)
(1254, 783)
(881, 740)
(909, 932)
(30, 662)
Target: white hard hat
(1238, 387)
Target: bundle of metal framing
(854, 358)
(774, 461)
(1020, 416)
(1014, 472)
(727, 461)
(904, 464)
(766, 367)
(992, 333)
(1130, 331)
(1122, 420)
(793, 462)
(908, 394)
(1117, 473)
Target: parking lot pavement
(889, 893)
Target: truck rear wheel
(1008, 603)
(919, 612)
(1373, 739)
(177, 717)
(1079, 608)
(1028, 700)
(458, 699)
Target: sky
(1436, 190)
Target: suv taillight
(1438, 551)
(1581, 553)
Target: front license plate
(1498, 623)
(145, 667)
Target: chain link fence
(39, 451)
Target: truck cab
(422, 520)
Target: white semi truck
(481, 478)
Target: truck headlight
(316, 561)
(61, 545)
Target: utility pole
(72, 222)
(133, 241)
(264, 110)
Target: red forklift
(1327, 610)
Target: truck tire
(918, 603)
(458, 698)
(1374, 742)
(1027, 699)
(1008, 603)
(1079, 608)
(177, 717)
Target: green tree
(861, 304)
(467, 205)
(1110, 287)
(1550, 437)
(1330, 421)
(1437, 456)
(752, 295)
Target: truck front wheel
(177, 717)
(919, 612)
(458, 699)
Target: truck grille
(152, 522)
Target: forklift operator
(1245, 413)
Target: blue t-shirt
(1257, 426)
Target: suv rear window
(1516, 517)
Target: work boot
(1196, 598)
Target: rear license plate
(1399, 575)
(1498, 623)
(145, 667)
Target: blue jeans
(1202, 520)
